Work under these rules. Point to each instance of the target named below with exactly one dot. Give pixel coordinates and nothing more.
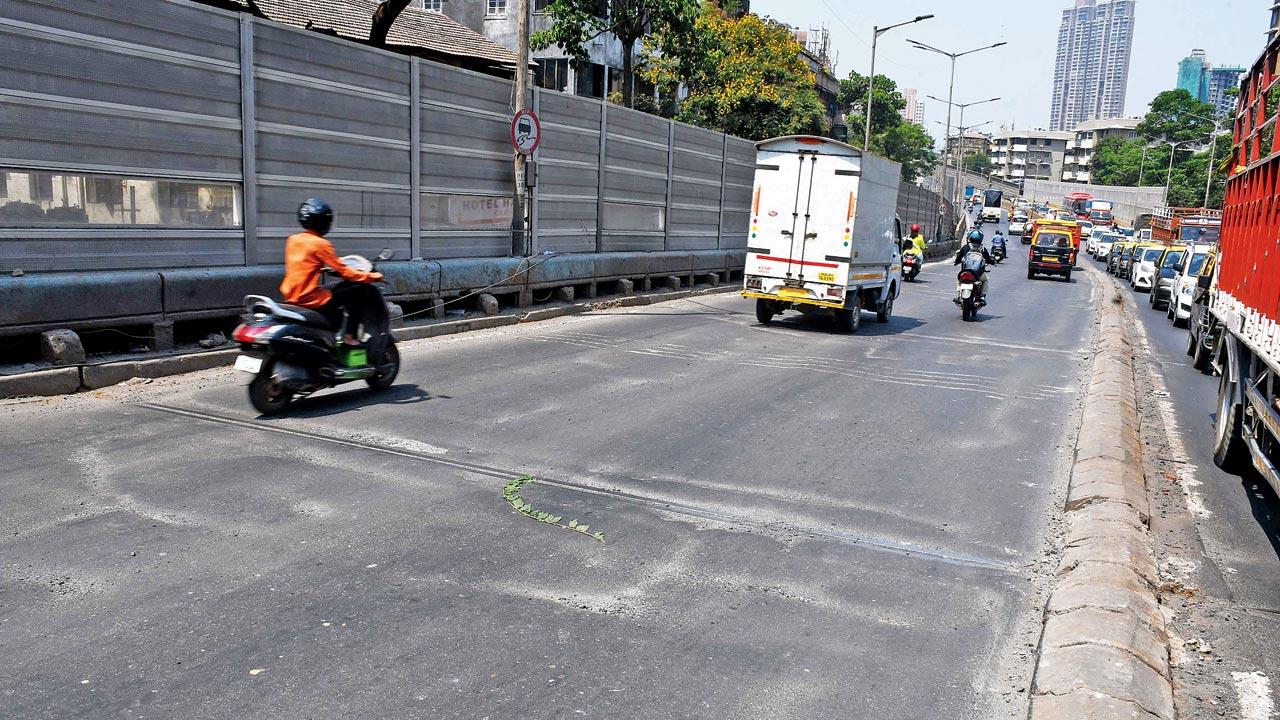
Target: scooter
(293, 351)
(911, 263)
(998, 254)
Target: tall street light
(1213, 146)
(959, 169)
(1173, 152)
(876, 32)
(951, 89)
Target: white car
(1184, 283)
(1102, 246)
(1018, 224)
(1144, 272)
(1086, 228)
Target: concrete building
(1209, 84)
(914, 111)
(816, 53)
(1193, 75)
(498, 21)
(1222, 79)
(1020, 155)
(1079, 158)
(1091, 73)
(973, 143)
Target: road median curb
(64, 381)
(1104, 651)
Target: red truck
(1238, 329)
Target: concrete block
(61, 347)
(162, 335)
(713, 279)
(625, 287)
(487, 304)
(57, 297)
(100, 376)
(543, 314)
(195, 290)
(1082, 705)
(1102, 520)
(437, 309)
(1105, 670)
(40, 383)
(1122, 631)
(396, 313)
(672, 281)
(564, 293)
(418, 332)
(1105, 586)
(1127, 548)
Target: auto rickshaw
(1069, 226)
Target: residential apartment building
(957, 148)
(1029, 154)
(914, 111)
(1091, 72)
(1209, 84)
(1077, 165)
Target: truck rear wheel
(885, 313)
(1229, 450)
(764, 312)
(1200, 356)
(850, 318)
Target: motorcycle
(970, 287)
(911, 264)
(998, 253)
(293, 351)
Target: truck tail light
(754, 282)
(835, 291)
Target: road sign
(526, 132)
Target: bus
(1077, 204)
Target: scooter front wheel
(266, 395)
(388, 369)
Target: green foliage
(909, 144)
(978, 163)
(511, 493)
(887, 104)
(1177, 116)
(1117, 162)
(744, 76)
(574, 23)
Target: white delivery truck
(825, 236)
(991, 200)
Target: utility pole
(876, 32)
(519, 240)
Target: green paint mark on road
(511, 493)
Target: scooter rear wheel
(387, 376)
(267, 396)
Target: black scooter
(293, 351)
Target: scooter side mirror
(386, 254)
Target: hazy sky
(1232, 32)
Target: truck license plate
(249, 364)
(826, 277)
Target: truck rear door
(802, 210)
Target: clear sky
(1232, 32)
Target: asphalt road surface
(798, 523)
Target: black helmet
(315, 215)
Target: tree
(574, 23)
(978, 163)
(887, 103)
(383, 18)
(1177, 116)
(1116, 161)
(743, 76)
(909, 144)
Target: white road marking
(1186, 472)
(1254, 691)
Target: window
(496, 8)
(553, 74)
(540, 5)
(466, 212)
(38, 198)
(623, 216)
(433, 5)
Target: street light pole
(955, 196)
(951, 88)
(876, 32)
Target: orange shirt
(305, 256)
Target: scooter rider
(917, 240)
(998, 242)
(306, 254)
(975, 246)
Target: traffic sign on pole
(526, 132)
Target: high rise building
(914, 111)
(1222, 79)
(1091, 74)
(1193, 75)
